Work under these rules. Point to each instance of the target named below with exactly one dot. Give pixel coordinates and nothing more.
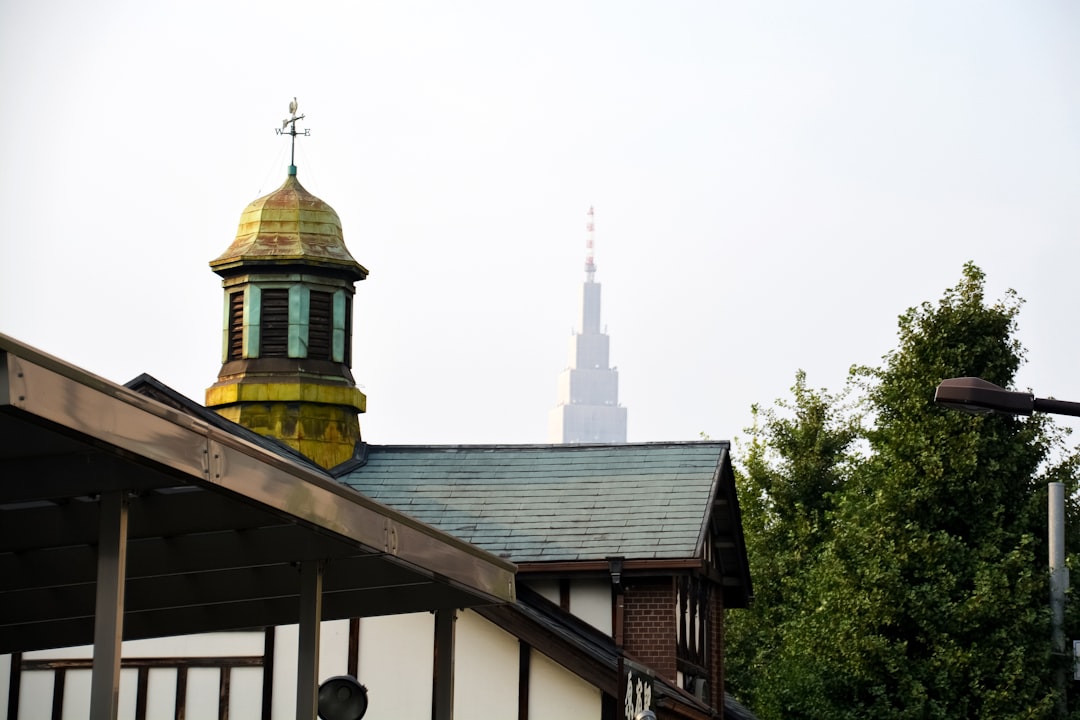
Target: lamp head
(342, 698)
(975, 395)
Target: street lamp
(976, 395)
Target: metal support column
(109, 608)
(307, 666)
(442, 692)
(1059, 582)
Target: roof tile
(552, 502)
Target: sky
(774, 183)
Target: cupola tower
(287, 331)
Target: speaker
(342, 698)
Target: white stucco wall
(35, 697)
(198, 645)
(486, 669)
(5, 673)
(162, 686)
(549, 589)
(333, 660)
(555, 692)
(396, 665)
(590, 600)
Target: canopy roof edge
(56, 418)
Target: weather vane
(290, 124)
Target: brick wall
(650, 614)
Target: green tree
(925, 594)
(935, 563)
(798, 461)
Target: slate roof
(151, 387)
(546, 503)
(537, 503)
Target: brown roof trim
(589, 669)
(204, 504)
(593, 566)
(672, 708)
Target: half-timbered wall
(197, 676)
(223, 674)
(694, 632)
(588, 599)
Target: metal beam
(66, 574)
(199, 500)
(257, 612)
(109, 610)
(307, 661)
(80, 472)
(442, 692)
(178, 555)
(185, 511)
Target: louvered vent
(274, 328)
(320, 325)
(348, 331)
(236, 326)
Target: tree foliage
(797, 461)
(898, 548)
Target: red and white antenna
(590, 246)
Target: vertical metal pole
(442, 694)
(109, 610)
(307, 665)
(269, 638)
(1059, 581)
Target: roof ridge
(549, 446)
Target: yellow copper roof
(288, 226)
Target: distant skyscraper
(587, 407)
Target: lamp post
(976, 395)
(979, 396)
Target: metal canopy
(217, 527)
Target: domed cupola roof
(290, 226)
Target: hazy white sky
(774, 183)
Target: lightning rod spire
(590, 246)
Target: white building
(587, 406)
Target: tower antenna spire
(288, 127)
(590, 246)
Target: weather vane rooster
(285, 129)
